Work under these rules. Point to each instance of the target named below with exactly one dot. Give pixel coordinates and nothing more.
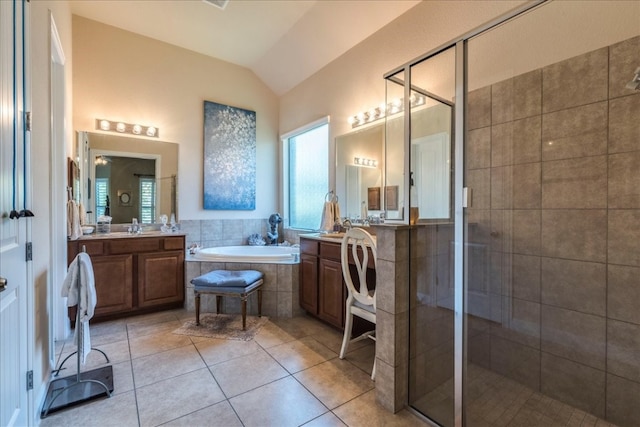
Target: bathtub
(250, 254)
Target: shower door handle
(3, 284)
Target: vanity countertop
(328, 237)
(126, 235)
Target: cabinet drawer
(134, 244)
(173, 243)
(309, 247)
(330, 250)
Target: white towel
(80, 289)
(82, 213)
(74, 230)
(336, 213)
(326, 223)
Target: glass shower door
(551, 233)
(431, 239)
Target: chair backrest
(355, 242)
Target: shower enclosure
(524, 297)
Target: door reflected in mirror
(430, 164)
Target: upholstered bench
(225, 283)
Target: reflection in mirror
(360, 183)
(353, 181)
(127, 178)
(431, 160)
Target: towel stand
(83, 381)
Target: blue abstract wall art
(229, 157)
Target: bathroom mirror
(359, 163)
(139, 177)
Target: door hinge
(29, 251)
(29, 380)
(27, 120)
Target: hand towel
(336, 213)
(79, 288)
(326, 223)
(82, 213)
(74, 230)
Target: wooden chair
(361, 301)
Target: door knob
(3, 284)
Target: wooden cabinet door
(331, 305)
(160, 278)
(309, 283)
(114, 283)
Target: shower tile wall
(553, 158)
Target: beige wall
(354, 82)
(45, 245)
(119, 75)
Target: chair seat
(227, 279)
(365, 307)
(228, 289)
(365, 311)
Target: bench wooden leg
(197, 309)
(218, 304)
(259, 302)
(244, 312)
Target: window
(306, 171)
(102, 193)
(147, 200)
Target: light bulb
(137, 129)
(151, 131)
(105, 125)
(120, 127)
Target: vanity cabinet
(134, 274)
(322, 289)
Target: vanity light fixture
(367, 163)
(380, 112)
(121, 127)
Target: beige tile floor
(496, 401)
(288, 375)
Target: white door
(432, 172)
(13, 265)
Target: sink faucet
(347, 224)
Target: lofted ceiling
(282, 41)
